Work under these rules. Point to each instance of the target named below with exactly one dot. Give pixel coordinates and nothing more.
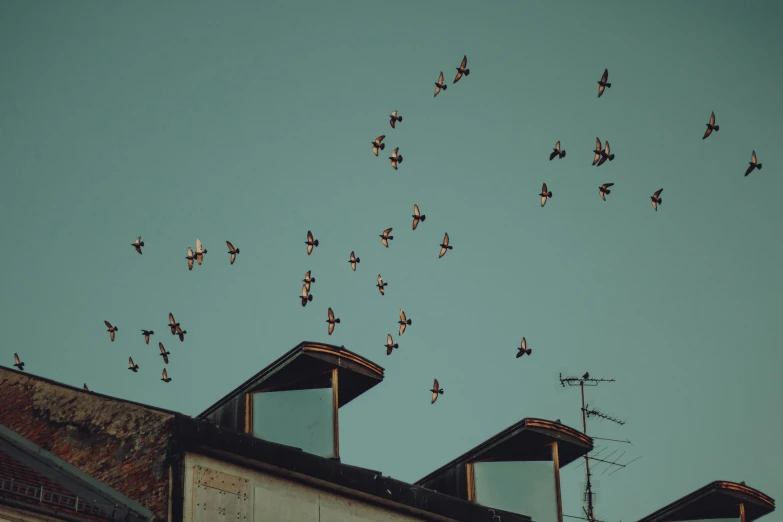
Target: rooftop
(719, 499)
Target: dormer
(517, 470)
(717, 502)
(295, 400)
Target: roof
(306, 360)
(200, 436)
(719, 499)
(82, 390)
(528, 439)
(33, 476)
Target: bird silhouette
(417, 216)
(165, 376)
(200, 252)
(138, 244)
(436, 390)
(111, 329)
(306, 295)
(310, 242)
(602, 83)
(381, 285)
(444, 246)
(146, 334)
(385, 237)
(404, 322)
(393, 119)
(395, 158)
(523, 349)
(753, 164)
(18, 363)
(711, 126)
(331, 320)
(164, 353)
(173, 324)
(656, 199)
(131, 366)
(557, 152)
(353, 260)
(439, 85)
(190, 257)
(233, 251)
(377, 145)
(462, 69)
(390, 344)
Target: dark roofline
(82, 390)
(338, 351)
(554, 429)
(70, 477)
(199, 436)
(717, 486)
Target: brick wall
(119, 443)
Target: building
(247, 458)
(37, 486)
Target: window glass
(527, 488)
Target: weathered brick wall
(121, 444)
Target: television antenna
(589, 496)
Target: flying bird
(111, 330)
(165, 377)
(711, 126)
(523, 349)
(385, 237)
(131, 366)
(557, 152)
(445, 245)
(604, 189)
(545, 194)
(377, 145)
(200, 252)
(381, 284)
(439, 85)
(404, 322)
(164, 353)
(602, 83)
(173, 324)
(606, 154)
(462, 69)
(598, 152)
(307, 280)
(417, 216)
(390, 345)
(331, 320)
(353, 260)
(233, 251)
(306, 295)
(656, 199)
(395, 158)
(181, 333)
(754, 164)
(394, 118)
(190, 257)
(85, 387)
(146, 334)
(138, 244)
(18, 363)
(310, 243)
(436, 390)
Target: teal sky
(252, 121)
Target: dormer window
(303, 415)
(295, 400)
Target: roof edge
(714, 486)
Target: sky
(252, 122)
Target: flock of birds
(602, 153)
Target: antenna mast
(586, 380)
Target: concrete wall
(121, 444)
(217, 491)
